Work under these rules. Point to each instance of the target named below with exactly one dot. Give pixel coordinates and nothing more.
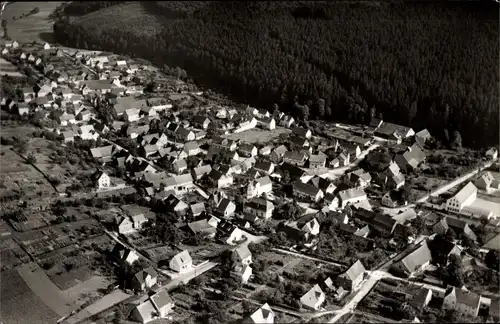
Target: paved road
(455, 182)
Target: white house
(145, 279)
(243, 273)
(125, 226)
(259, 207)
(259, 186)
(463, 198)
(156, 306)
(181, 262)
(46, 46)
(102, 180)
(226, 207)
(263, 315)
(314, 298)
(242, 255)
(351, 196)
(463, 301)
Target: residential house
(192, 148)
(304, 190)
(145, 279)
(301, 143)
(242, 273)
(101, 180)
(156, 306)
(219, 179)
(124, 254)
(263, 315)
(422, 136)
(185, 135)
(69, 136)
(351, 196)
(125, 225)
(229, 233)
(463, 198)
(259, 207)
(199, 172)
(459, 227)
(331, 202)
(266, 150)
(492, 153)
(278, 153)
(307, 223)
(175, 204)
(392, 178)
(360, 178)
(350, 279)
(197, 209)
(344, 159)
(317, 161)
(485, 181)
(463, 301)
(388, 131)
(179, 166)
(415, 261)
(264, 167)
(242, 255)
(419, 297)
(259, 186)
(181, 262)
(266, 123)
(302, 132)
(412, 158)
(201, 122)
(287, 121)
(324, 184)
(226, 207)
(225, 143)
(179, 184)
(247, 150)
(314, 298)
(295, 158)
(384, 224)
(103, 153)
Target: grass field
(257, 135)
(6, 68)
(19, 304)
(37, 27)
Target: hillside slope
(431, 65)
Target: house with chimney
(181, 262)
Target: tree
(450, 235)
(492, 260)
(457, 140)
(454, 272)
(4, 27)
(304, 112)
(31, 159)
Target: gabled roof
(465, 192)
(262, 315)
(264, 181)
(305, 188)
(300, 131)
(294, 155)
(464, 297)
(183, 257)
(143, 274)
(161, 299)
(354, 271)
(260, 204)
(321, 158)
(321, 183)
(312, 297)
(224, 203)
(263, 165)
(417, 258)
(246, 147)
(243, 252)
(351, 193)
(102, 151)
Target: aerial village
(131, 196)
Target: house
(492, 153)
(422, 136)
(185, 135)
(102, 153)
(145, 279)
(458, 226)
(392, 199)
(384, 224)
(295, 158)
(179, 184)
(412, 158)
(259, 207)
(465, 302)
(242, 255)
(125, 225)
(87, 132)
(229, 233)
(263, 315)
(278, 153)
(314, 298)
(388, 130)
(304, 190)
(101, 180)
(156, 306)
(259, 186)
(226, 207)
(360, 178)
(247, 150)
(175, 204)
(124, 254)
(266, 123)
(419, 297)
(219, 179)
(242, 273)
(415, 261)
(179, 166)
(463, 198)
(302, 132)
(344, 159)
(351, 196)
(46, 46)
(300, 142)
(181, 262)
(484, 181)
(264, 167)
(287, 121)
(225, 143)
(317, 161)
(307, 223)
(201, 122)
(391, 177)
(324, 184)
(494, 310)
(192, 148)
(199, 172)
(197, 209)
(266, 150)
(205, 227)
(331, 202)
(350, 279)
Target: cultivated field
(257, 135)
(37, 27)
(6, 68)
(19, 304)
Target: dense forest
(424, 64)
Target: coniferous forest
(426, 64)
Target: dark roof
(383, 222)
(305, 188)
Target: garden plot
(257, 135)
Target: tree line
(428, 65)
